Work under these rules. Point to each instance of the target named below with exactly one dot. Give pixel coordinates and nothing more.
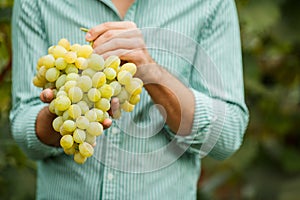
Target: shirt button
(114, 130)
(110, 176)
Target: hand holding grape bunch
(83, 85)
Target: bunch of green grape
(83, 85)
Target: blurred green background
(268, 164)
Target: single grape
(62, 103)
(57, 123)
(66, 115)
(106, 91)
(98, 79)
(110, 73)
(116, 87)
(60, 63)
(81, 63)
(66, 141)
(91, 115)
(83, 106)
(60, 81)
(96, 62)
(82, 122)
(91, 139)
(75, 94)
(59, 51)
(69, 125)
(70, 57)
(79, 136)
(78, 158)
(38, 82)
(134, 99)
(48, 61)
(50, 49)
(85, 51)
(86, 149)
(64, 43)
(113, 62)
(74, 111)
(85, 83)
(69, 84)
(95, 128)
(100, 115)
(71, 68)
(130, 67)
(75, 47)
(124, 77)
(72, 77)
(52, 107)
(103, 104)
(127, 107)
(72, 150)
(52, 74)
(94, 95)
(133, 87)
(89, 72)
(42, 71)
(123, 95)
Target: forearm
(176, 99)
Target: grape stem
(87, 30)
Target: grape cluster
(83, 85)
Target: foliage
(268, 164)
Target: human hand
(122, 39)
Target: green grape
(106, 91)
(78, 158)
(72, 150)
(85, 51)
(59, 51)
(71, 68)
(69, 125)
(75, 47)
(127, 107)
(66, 141)
(130, 67)
(60, 81)
(83, 106)
(52, 107)
(110, 73)
(124, 77)
(74, 111)
(48, 61)
(96, 62)
(134, 99)
(75, 94)
(100, 115)
(94, 95)
(133, 88)
(42, 71)
(69, 84)
(82, 122)
(106, 115)
(60, 63)
(38, 82)
(86, 149)
(57, 123)
(52, 74)
(98, 79)
(123, 95)
(63, 132)
(70, 57)
(61, 93)
(88, 72)
(72, 77)
(64, 43)
(50, 49)
(139, 81)
(91, 115)
(116, 87)
(113, 62)
(87, 100)
(66, 115)
(91, 139)
(103, 104)
(62, 103)
(79, 136)
(58, 112)
(81, 63)
(95, 128)
(85, 83)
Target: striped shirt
(139, 157)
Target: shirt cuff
(200, 127)
(25, 134)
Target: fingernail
(88, 36)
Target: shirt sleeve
(29, 43)
(220, 116)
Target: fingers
(96, 31)
(47, 95)
(107, 123)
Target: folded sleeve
(29, 43)
(221, 115)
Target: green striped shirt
(139, 157)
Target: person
(187, 53)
